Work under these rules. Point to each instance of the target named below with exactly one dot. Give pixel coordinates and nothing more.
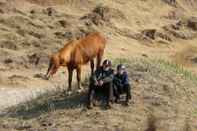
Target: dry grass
(163, 86)
(187, 56)
(154, 83)
(164, 65)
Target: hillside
(31, 30)
(163, 100)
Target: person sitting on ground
(102, 81)
(121, 84)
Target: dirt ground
(31, 30)
(162, 100)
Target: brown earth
(30, 30)
(161, 101)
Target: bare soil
(31, 30)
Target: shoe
(129, 97)
(116, 101)
(126, 103)
(109, 105)
(89, 106)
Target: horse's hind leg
(99, 59)
(70, 75)
(79, 78)
(92, 66)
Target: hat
(107, 62)
(121, 66)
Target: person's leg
(128, 92)
(91, 94)
(116, 93)
(109, 93)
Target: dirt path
(12, 97)
(32, 88)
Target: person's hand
(100, 83)
(96, 83)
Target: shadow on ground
(48, 103)
(52, 102)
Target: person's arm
(117, 81)
(126, 79)
(108, 78)
(94, 77)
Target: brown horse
(77, 53)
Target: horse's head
(53, 66)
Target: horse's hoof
(79, 90)
(126, 103)
(90, 107)
(69, 93)
(108, 107)
(45, 77)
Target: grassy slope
(160, 93)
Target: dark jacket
(100, 74)
(121, 80)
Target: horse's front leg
(70, 75)
(92, 66)
(79, 78)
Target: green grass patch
(178, 69)
(163, 65)
(195, 113)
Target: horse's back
(94, 39)
(82, 50)
(93, 42)
(88, 48)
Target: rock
(8, 61)
(102, 15)
(33, 11)
(63, 23)
(183, 34)
(194, 60)
(94, 18)
(192, 23)
(103, 12)
(59, 35)
(150, 33)
(76, 33)
(36, 34)
(38, 59)
(68, 35)
(50, 11)
(1, 11)
(164, 36)
(179, 30)
(144, 55)
(171, 2)
(9, 45)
